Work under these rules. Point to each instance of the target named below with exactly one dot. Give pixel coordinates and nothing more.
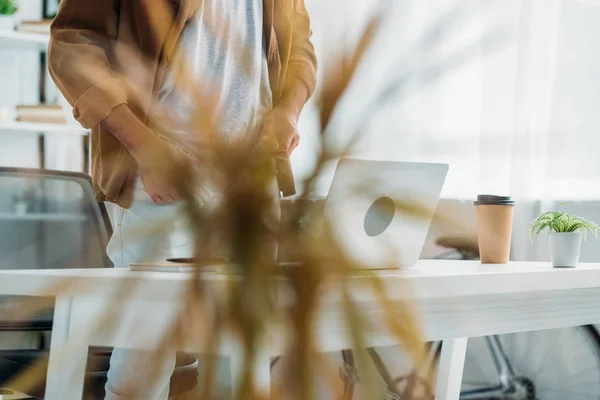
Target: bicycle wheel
(561, 364)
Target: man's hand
(157, 162)
(159, 165)
(282, 125)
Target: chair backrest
(51, 220)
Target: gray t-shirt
(223, 47)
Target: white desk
(456, 300)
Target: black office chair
(51, 220)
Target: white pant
(148, 232)
(143, 233)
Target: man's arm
(83, 36)
(299, 84)
(301, 77)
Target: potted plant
(566, 232)
(7, 10)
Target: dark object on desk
(224, 261)
(199, 262)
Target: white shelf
(21, 40)
(30, 127)
(58, 217)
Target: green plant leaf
(575, 226)
(562, 224)
(554, 225)
(570, 222)
(547, 214)
(537, 229)
(8, 7)
(561, 221)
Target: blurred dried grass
(250, 306)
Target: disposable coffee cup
(494, 227)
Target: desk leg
(450, 370)
(262, 372)
(66, 367)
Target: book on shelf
(42, 26)
(43, 120)
(43, 113)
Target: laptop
(380, 211)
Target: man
(113, 61)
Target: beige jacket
(103, 51)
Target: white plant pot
(565, 248)
(7, 23)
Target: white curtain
(505, 91)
